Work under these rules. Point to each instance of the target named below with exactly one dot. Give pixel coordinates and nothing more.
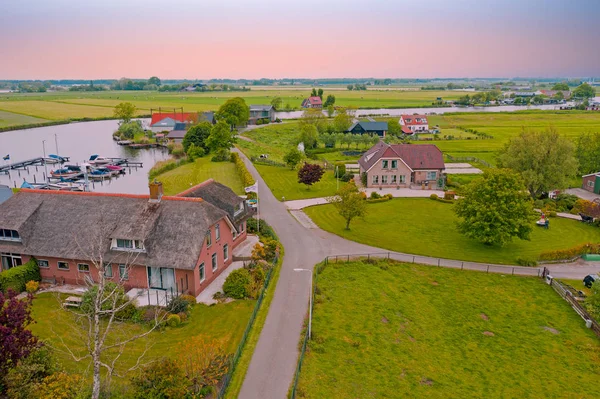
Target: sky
(203, 39)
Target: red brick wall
(586, 185)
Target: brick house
(591, 182)
(418, 166)
(171, 243)
(312, 102)
(411, 124)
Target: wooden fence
(566, 294)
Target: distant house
(165, 121)
(591, 182)
(551, 93)
(261, 112)
(378, 128)
(312, 102)
(418, 166)
(524, 94)
(5, 193)
(178, 133)
(414, 123)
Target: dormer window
(9, 235)
(239, 209)
(123, 244)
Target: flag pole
(257, 210)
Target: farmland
(12, 119)
(401, 330)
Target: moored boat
(115, 168)
(98, 160)
(64, 173)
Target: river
(77, 141)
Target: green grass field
(283, 182)
(12, 119)
(54, 324)
(408, 331)
(188, 175)
(421, 226)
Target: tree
(330, 110)
(349, 203)
(584, 91)
(394, 128)
(197, 135)
(560, 86)
(350, 87)
(124, 112)
(545, 160)
(342, 121)
(320, 93)
(163, 379)
(587, 152)
(495, 208)
(235, 112)
(310, 174)
(329, 101)
(315, 117)
(309, 136)
(221, 137)
(313, 93)
(292, 158)
(129, 130)
(559, 95)
(346, 139)
(16, 340)
(276, 102)
(154, 81)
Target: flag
(7, 157)
(252, 189)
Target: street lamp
(310, 300)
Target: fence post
(388, 255)
(513, 271)
(462, 264)
(439, 262)
(348, 260)
(488, 268)
(413, 259)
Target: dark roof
(208, 116)
(416, 156)
(220, 196)
(176, 134)
(371, 126)
(260, 107)
(80, 226)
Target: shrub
(265, 229)
(161, 379)
(194, 152)
(165, 166)
(526, 262)
(17, 277)
(246, 177)
(271, 249)
(376, 200)
(552, 214)
(339, 169)
(570, 253)
(151, 313)
(347, 177)
(449, 195)
(177, 305)
(111, 290)
(60, 385)
(221, 156)
(190, 299)
(176, 149)
(182, 316)
(538, 204)
(258, 280)
(237, 284)
(363, 195)
(363, 178)
(388, 196)
(173, 320)
(21, 380)
(433, 196)
(32, 286)
(375, 195)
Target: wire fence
(224, 384)
(564, 291)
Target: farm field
(389, 330)
(422, 226)
(188, 175)
(12, 119)
(53, 323)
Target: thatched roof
(220, 196)
(81, 225)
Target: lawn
(11, 119)
(283, 182)
(421, 226)
(54, 324)
(188, 175)
(402, 330)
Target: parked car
(590, 279)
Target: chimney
(156, 191)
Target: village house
(378, 128)
(166, 121)
(261, 112)
(312, 102)
(171, 243)
(418, 166)
(591, 182)
(178, 133)
(413, 123)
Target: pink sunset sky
(94, 39)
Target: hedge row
(247, 179)
(570, 253)
(17, 277)
(164, 166)
(265, 229)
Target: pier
(24, 164)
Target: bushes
(247, 179)
(163, 379)
(435, 197)
(60, 385)
(17, 277)
(173, 320)
(178, 305)
(21, 381)
(176, 149)
(237, 284)
(265, 229)
(375, 195)
(164, 166)
(339, 169)
(221, 156)
(526, 262)
(570, 253)
(32, 286)
(347, 177)
(195, 152)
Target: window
(83, 267)
(375, 179)
(10, 260)
(124, 243)
(384, 164)
(9, 235)
(123, 272)
(217, 232)
(431, 175)
(383, 179)
(62, 265)
(208, 239)
(43, 263)
(408, 120)
(590, 183)
(242, 226)
(202, 275)
(239, 209)
(214, 261)
(395, 164)
(108, 271)
(225, 251)
(139, 244)
(401, 178)
(394, 179)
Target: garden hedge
(17, 277)
(247, 179)
(570, 253)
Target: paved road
(274, 361)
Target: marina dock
(24, 164)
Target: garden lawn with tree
(283, 182)
(422, 226)
(388, 330)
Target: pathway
(274, 360)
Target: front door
(162, 278)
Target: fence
(238, 352)
(469, 159)
(567, 295)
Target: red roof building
(414, 123)
(176, 116)
(312, 102)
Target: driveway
(583, 194)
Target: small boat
(58, 158)
(108, 171)
(115, 168)
(99, 174)
(65, 173)
(65, 186)
(98, 160)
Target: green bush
(376, 200)
(341, 169)
(17, 278)
(246, 177)
(347, 177)
(434, 196)
(173, 320)
(164, 166)
(526, 262)
(375, 195)
(20, 381)
(190, 299)
(265, 230)
(177, 305)
(194, 152)
(238, 284)
(222, 155)
(163, 379)
(112, 294)
(570, 253)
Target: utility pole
(45, 168)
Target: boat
(58, 158)
(98, 160)
(64, 173)
(99, 174)
(66, 186)
(110, 172)
(115, 168)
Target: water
(77, 141)
(436, 110)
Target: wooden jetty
(40, 161)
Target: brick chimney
(156, 191)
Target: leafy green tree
(329, 101)
(313, 93)
(346, 139)
(309, 136)
(154, 81)
(221, 137)
(545, 160)
(495, 208)
(128, 130)
(276, 102)
(584, 91)
(559, 95)
(394, 128)
(587, 152)
(330, 110)
(478, 98)
(375, 139)
(194, 152)
(349, 203)
(350, 87)
(124, 112)
(560, 86)
(342, 121)
(234, 111)
(320, 93)
(315, 117)
(292, 158)
(197, 135)
(365, 139)
(310, 174)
